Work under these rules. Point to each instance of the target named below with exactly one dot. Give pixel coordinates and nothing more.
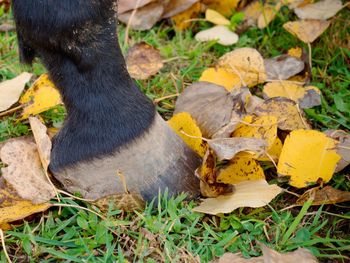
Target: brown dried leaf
(42, 141)
(343, 147)
(209, 104)
(325, 196)
(126, 5)
(307, 30)
(286, 111)
(283, 67)
(227, 148)
(272, 256)
(175, 7)
(24, 171)
(145, 17)
(143, 61)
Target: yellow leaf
(13, 207)
(184, 122)
(240, 169)
(274, 152)
(308, 156)
(247, 64)
(21, 210)
(247, 194)
(297, 93)
(307, 30)
(225, 7)
(289, 116)
(285, 89)
(262, 127)
(40, 97)
(295, 52)
(181, 20)
(221, 77)
(216, 18)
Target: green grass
(170, 231)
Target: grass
(169, 231)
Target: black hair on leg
(77, 42)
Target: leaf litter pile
(246, 113)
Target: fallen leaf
(252, 103)
(10, 90)
(295, 52)
(308, 156)
(271, 256)
(181, 20)
(227, 148)
(126, 5)
(259, 127)
(175, 7)
(240, 169)
(221, 77)
(343, 147)
(269, 12)
(143, 61)
(224, 7)
(216, 18)
(210, 105)
(306, 97)
(324, 196)
(24, 171)
(42, 141)
(252, 13)
(222, 34)
(145, 17)
(207, 175)
(274, 152)
(247, 194)
(321, 10)
(246, 63)
(14, 208)
(183, 122)
(307, 30)
(283, 67)
(21, 210)
(40, 97)
(288, 115)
